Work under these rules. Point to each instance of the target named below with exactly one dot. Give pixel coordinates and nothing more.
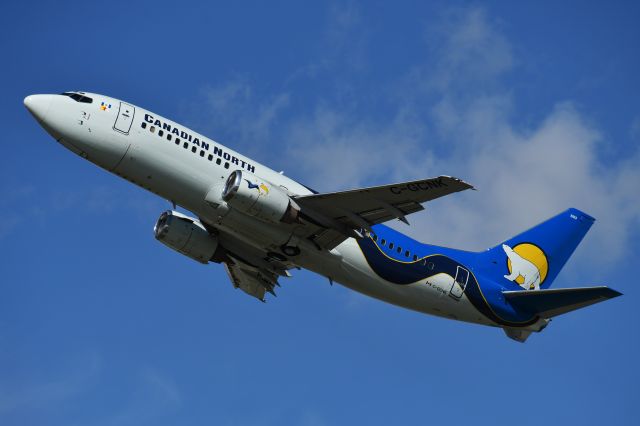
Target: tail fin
(535, 257)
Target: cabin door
(125, 118)
(459, 283)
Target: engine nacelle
(256, 197)
(185, 235)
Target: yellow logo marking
(531, 265)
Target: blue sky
(537, 104)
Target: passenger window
(415, 257)
(143, 125)
(391, 245)
(407, 254)
(383, 242)
(160, 132)
(201, 153)
(194, 149)
(374, 237)
(210, 157)
(168, 136)
(218, 161)
(226, 165)
(399, 250)
(177, 141)
(153, 129)
(186, 145)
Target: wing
(253, 280)
(333, 217)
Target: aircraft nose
(38, 105)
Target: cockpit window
(78, 97)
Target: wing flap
(383, 214)
(549, 303)
(252, 280)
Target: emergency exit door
(459, 283)
(125, 118)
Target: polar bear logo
(524, 268)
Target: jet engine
(256, 197)
(185, 235)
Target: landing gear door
(125, 118)
(459, 283)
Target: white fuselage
(191, 172)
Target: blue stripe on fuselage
(397, 268)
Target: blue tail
(535, 257)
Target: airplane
(260, 224)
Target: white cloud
(469, 52)
(232, 111)
(346, 38)
(452, 114)
(525, 174)
(335, 151)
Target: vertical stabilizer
(535, 257)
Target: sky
(537, 104)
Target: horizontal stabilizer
(553, 302)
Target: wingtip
(608, 292)
(469, 186)
(614, 293)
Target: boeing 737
(261, 224)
